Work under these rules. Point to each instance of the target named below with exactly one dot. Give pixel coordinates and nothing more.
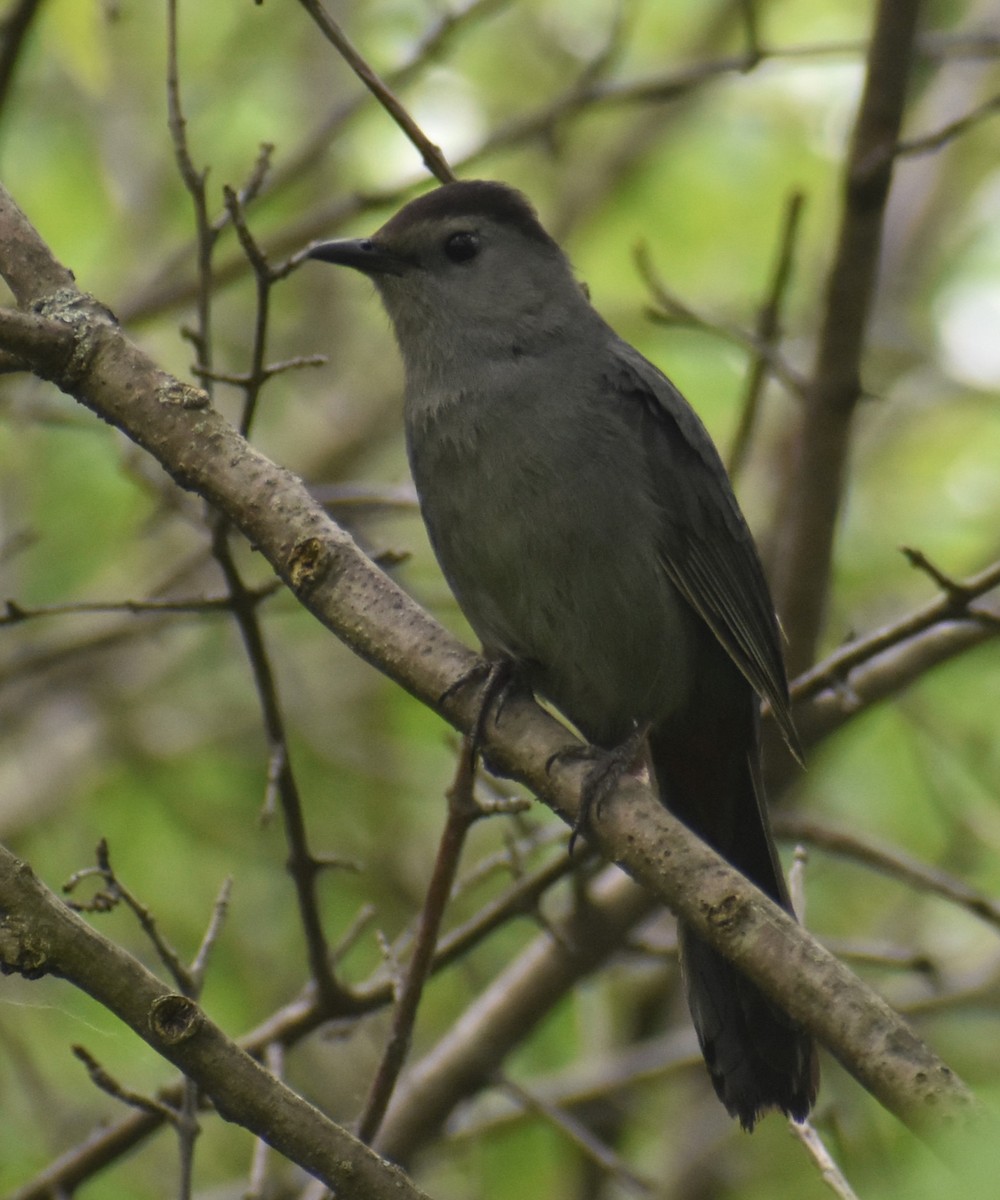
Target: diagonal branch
(462, 813)
(347, 593)
(523, 994)
(953, 605)
(432, 157)
(39, 935)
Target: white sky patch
(827, 88)
(968, 322)
(447, 109)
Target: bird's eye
(461, 247)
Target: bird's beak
(362, 254)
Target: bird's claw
(499, 677)
(606, 772)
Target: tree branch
(431, 154)
(811, 494)
(39, 935)
(341, 587)
(523, 994)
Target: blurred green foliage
(144, 728)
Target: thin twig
(188, 1130)
(274, 1060)
(463, 812)
(829, 1172)
(583, 1139)
(302, 865)
(521, 900)
(267, 370)
(432, 157)
(257, 375)
(194, 181)
(220, 909)
(889, 861)
(671, 310)
(101, 1078)
(834, 670)
(947, 133)
(116, 891)
(14, 612)
(767, 333)
(502, 1016)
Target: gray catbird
(587, 528)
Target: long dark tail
(759, 1059)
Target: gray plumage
(583, 518)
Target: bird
(584, 521)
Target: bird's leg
(607, 770)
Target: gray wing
(706, 548)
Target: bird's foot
(499, 677)
(607, 770)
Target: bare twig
(267, 370)
(302, 865)
(955, 604)
(258, 374)
(889, 861)
(947, 133)
(199, 964)
(103, 1080)
(115, 892)
(432, 157)
(473, 1051)
(14, 613)
(767, 334)
(829, 1172)
(582, 1138)
(194, 181)
(274, 1060)
(462, 813)
(671, 310)
(520, 900)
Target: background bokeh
(143, 727)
